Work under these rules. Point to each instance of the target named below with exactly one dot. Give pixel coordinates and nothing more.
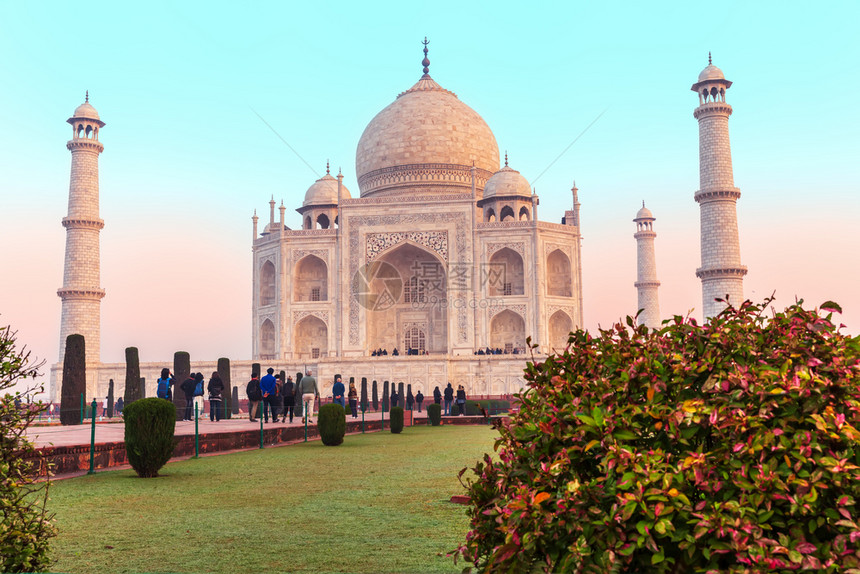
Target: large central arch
(421, 300)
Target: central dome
(426, 140)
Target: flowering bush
(726, 447)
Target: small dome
(85, 110)
(506, 182)
(644, 213)
(711, 73)
(324, 192)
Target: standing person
(410, 400)
(120, 404)
(104, 407)
(215, 388)
(254, 397)
(199, 393)
(268, 386)
(288, 391)
(307, 387)
(449, 398)
(461, 399)
(437, 396)
(187, 387)
(394, 398)
(353, 400)
(337, 391)
(165, 385)
(419, 398)
(279, 400)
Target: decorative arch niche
(507, 214)
(560, 327)
(310, 338)
(505, 275)
(507, 331)
(310, 281)
(267, 340)
(268, 289)
(558, 276)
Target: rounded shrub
(331, 423)
(455, 410)
(396, 420)
(434, 413)
(726, 447)
(149, 442)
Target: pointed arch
(323, 221)
(507, 214)
(308, 222)
(560, 326)
(505, 275)
(310, 338)
(491, 215)
(310, 279)
(267, 340)
(507, 331)
(524, 213)
(559, 282)
(268, 284)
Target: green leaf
(624, 435)
(657, 558)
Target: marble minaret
(721, 272)
(81, 293)
(646, 265)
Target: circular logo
(377, 286)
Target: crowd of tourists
(270, 397)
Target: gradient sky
(187, 159)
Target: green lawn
(376, 503)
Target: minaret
(721, 272)
(646, 265)
(80, 292)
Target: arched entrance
(560, 327)
(508, 332)
(505, 273)
(419, 299)
(310, 338)
(267, 340)
(558, 277)
(310, 281)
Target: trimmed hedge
(331, 422)
(396, 420)
(434, 413)
(149, 428)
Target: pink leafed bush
(725, 447)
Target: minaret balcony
(82, 223)
(87, 144)
(83, 293)
(716, 272)
(707, 195)
(711, 109)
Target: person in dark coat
(410, 400)
(419, 398)
(449, 398)
(337, 392)
(394, 396)
(437, 396)
(216, 389)
(461, 399)
(187, 387)
(255, 395)
(288, 391)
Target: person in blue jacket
(337, 391)
(269, 388)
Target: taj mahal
(434, 267)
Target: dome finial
(326, 168)
(425, 62)
(506, 158)
(643, 203)
(709, 59)
(87, 100)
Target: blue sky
(187, 159)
